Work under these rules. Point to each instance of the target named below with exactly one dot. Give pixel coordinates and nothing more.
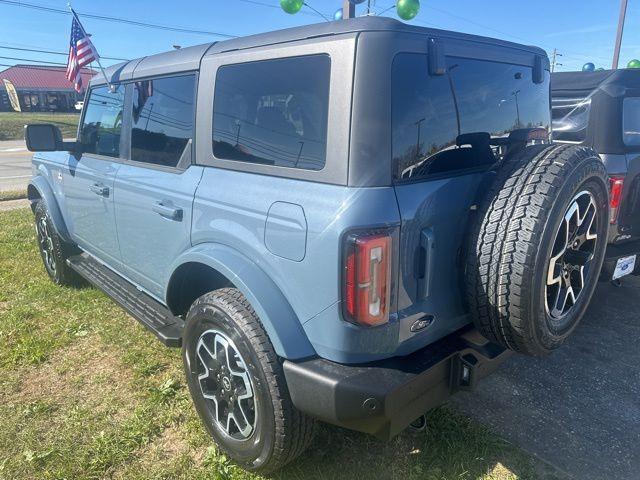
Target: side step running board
(149, 312)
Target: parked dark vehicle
(344, 222)
(601, 110)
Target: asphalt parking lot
(578, 409)
(15, 165)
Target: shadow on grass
(452, 447)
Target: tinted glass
(424, 116)
(443, 124)
(102, 124)
(273, 112)
(571, 118)
(631, 122)
(163, 113)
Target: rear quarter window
(631, 121)
(273, 112)
(570, 118)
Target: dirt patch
(88, 374)
(161, 452)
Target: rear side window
(631, 122)
(163, 115)
(273, 112)
(102, 123)
(445, 124)
(570, 118)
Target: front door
(155, 190)
(89, 178)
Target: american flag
(81, 53)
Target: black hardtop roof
(189, 58)
(567, 83)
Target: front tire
(237, 384)
(54, 250)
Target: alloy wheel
(226, 385)
(573, 252)
(45, 241)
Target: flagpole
(75, 15)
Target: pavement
(578, 409)
(15, 165)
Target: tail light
(367, 278)
(616, 185)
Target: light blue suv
(345, 222)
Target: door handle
(172, 213)
(99, 189)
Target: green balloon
(408, 9)
(634, 64)
(291, 6)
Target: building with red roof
(42, 88)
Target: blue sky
(581, 30)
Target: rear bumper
(381, 398)
(617, 251)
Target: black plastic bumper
(384, 397)
(617, 251)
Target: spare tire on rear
(536, 247)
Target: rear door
(89, 177)
(154, 190)
(442, 126)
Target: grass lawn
(87, 393)
(12, 194)
(12, 123)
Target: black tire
(516, 234)
(54, 250)
(280, 432)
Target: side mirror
(43, 137)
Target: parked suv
(345, 222)
(602, 110)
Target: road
(578, 409)
(15, 165)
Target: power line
(575, 56)
(51, 52)
(269, 5)
(117, 19)
(29, 60)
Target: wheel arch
(40, 190)
(208, 267)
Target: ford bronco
(343, 222)
(602, 110)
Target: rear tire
(54, 250)
(519, 266)
(247, 386)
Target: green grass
(12, 195)
(86, 393)
(12, 123)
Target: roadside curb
(6, 205)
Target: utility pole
(616, 51)
(554, 60)
(515, 94)
(348, 10)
